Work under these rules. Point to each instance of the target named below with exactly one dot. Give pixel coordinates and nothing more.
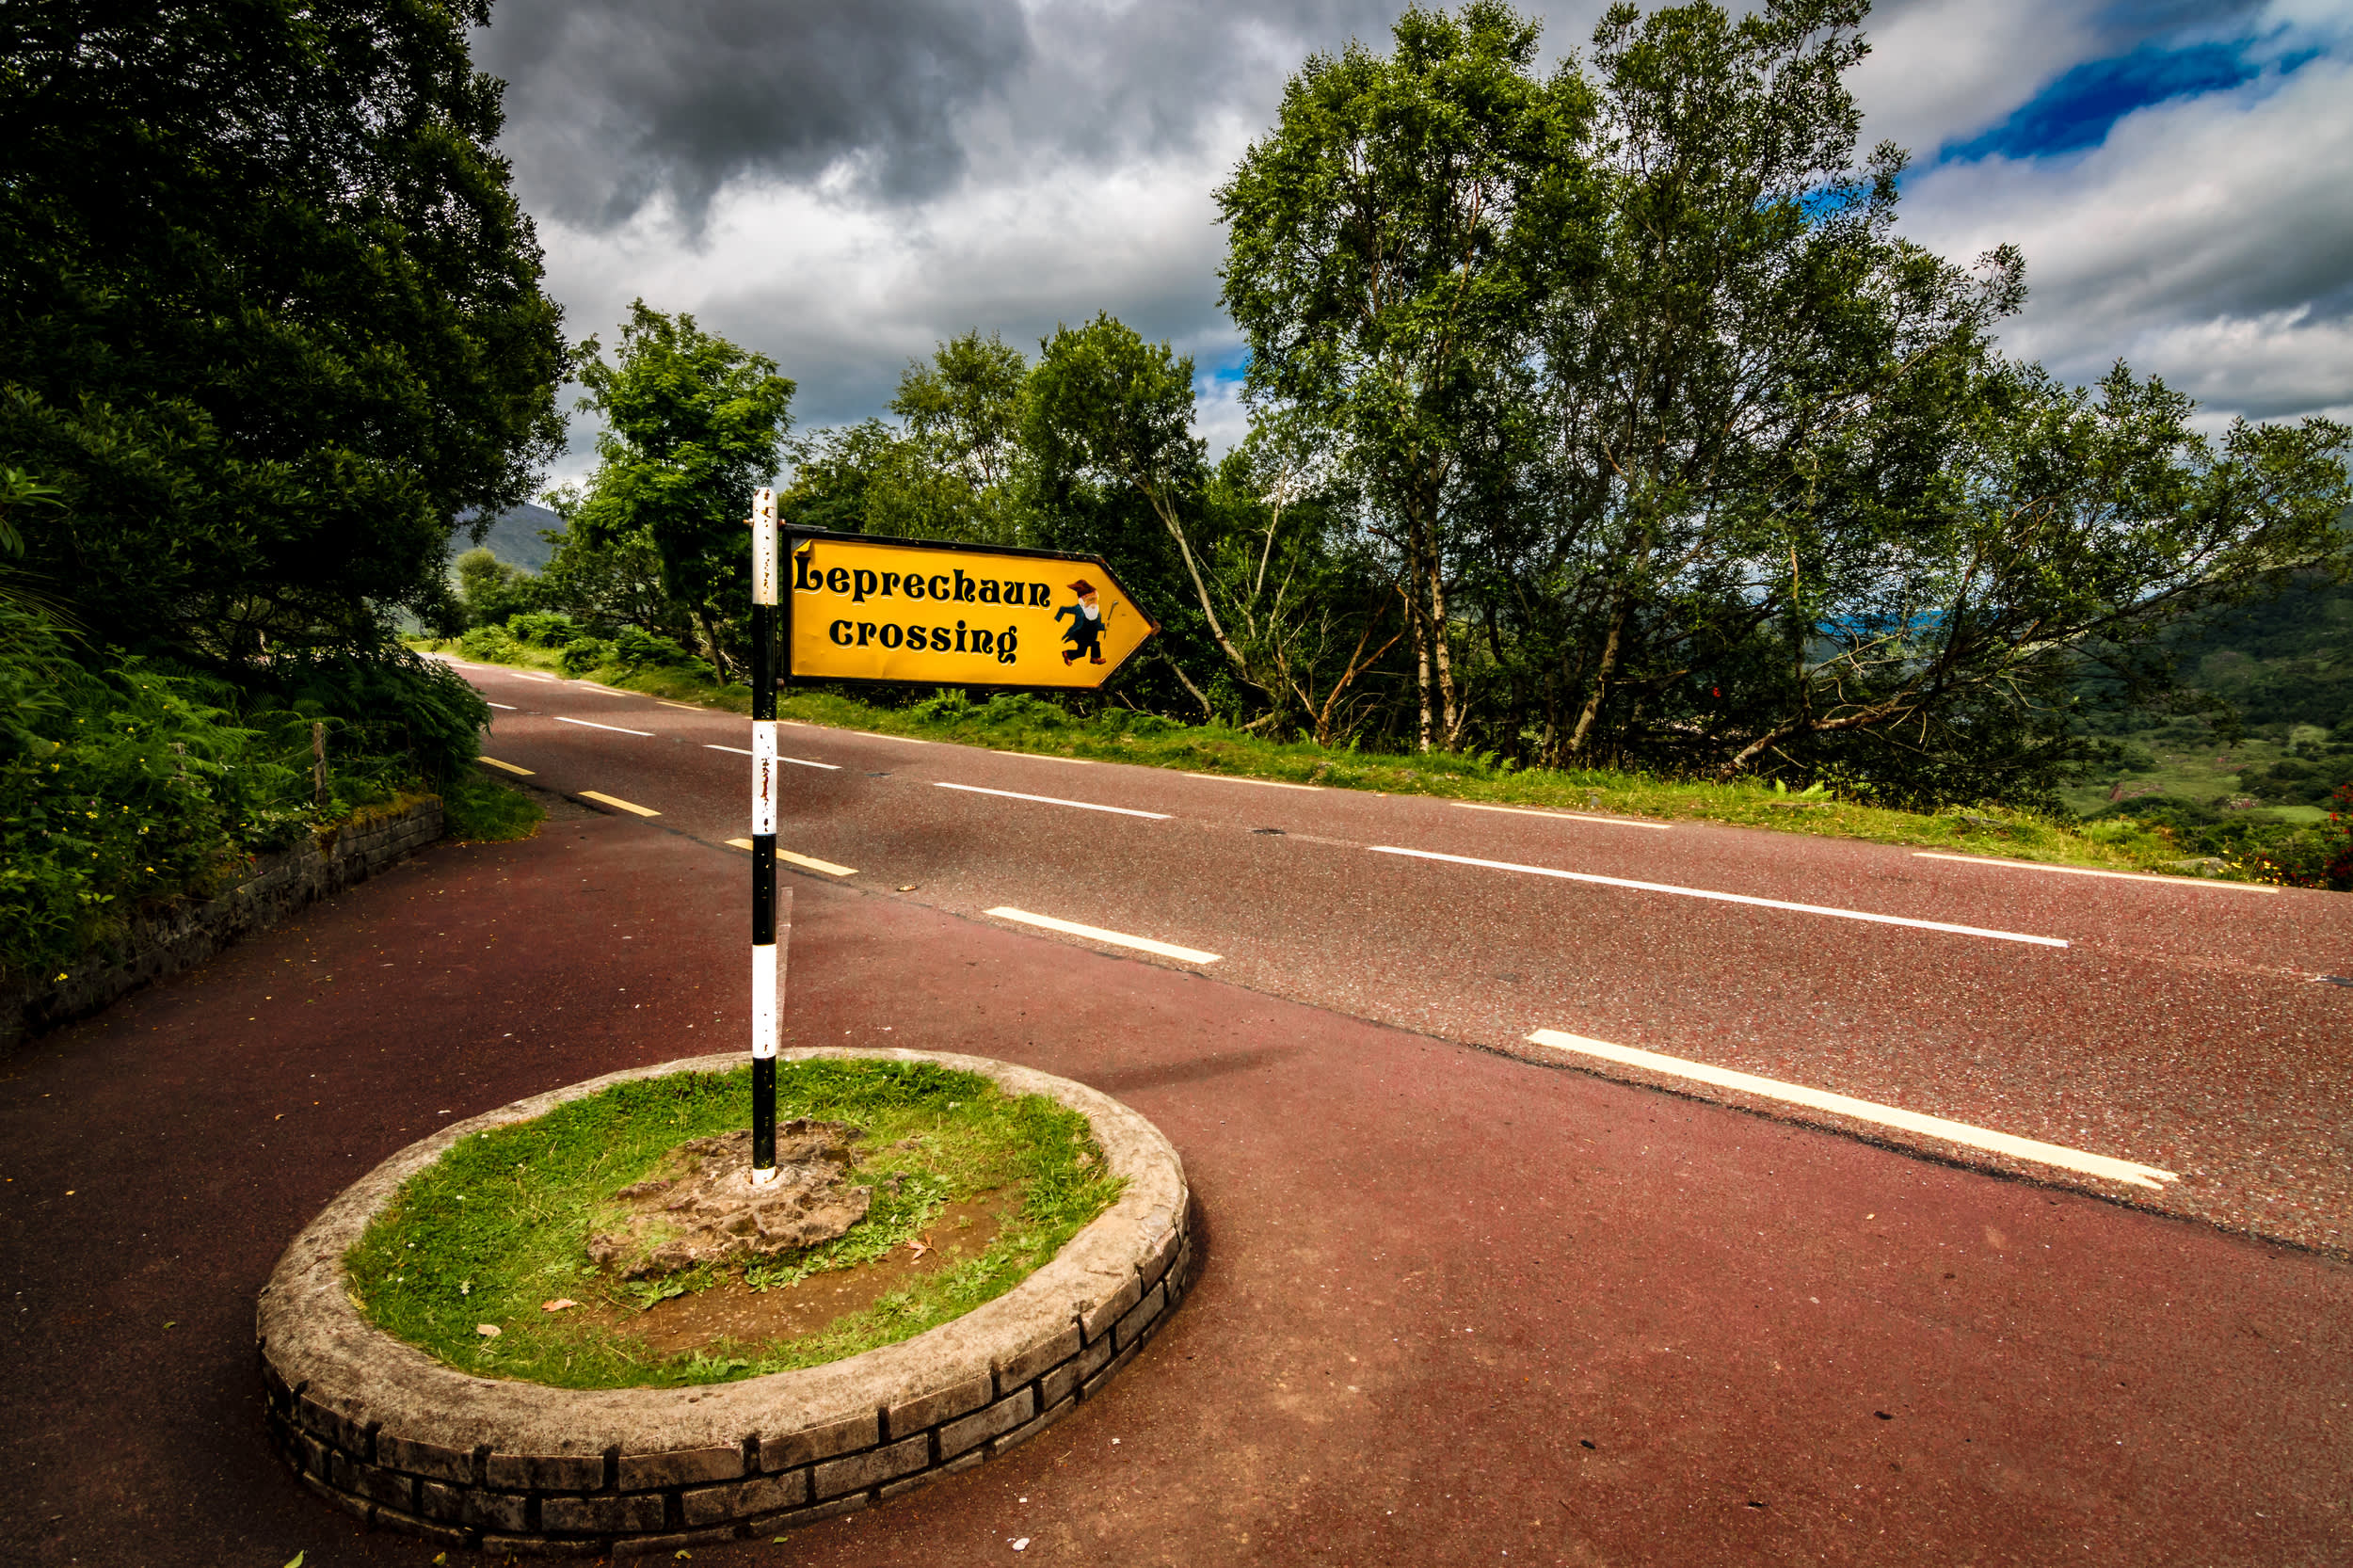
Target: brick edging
(406, 1442)
(185, 934)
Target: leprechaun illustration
(1086, 625)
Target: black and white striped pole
(767, 954)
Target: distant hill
(2280, 662)
(515, 536)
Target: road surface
(2180, 1045)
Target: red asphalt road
(2183, 1026)
(1455, 1307)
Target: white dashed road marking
(591, 724)
(1096, 933)
(1864, 1111)
(1725, 898)
(1053, 800)
(796, 762)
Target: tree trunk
(1449, 707)
(1206, 712)
(1602, 672)
(719, 660)
(1424, 675)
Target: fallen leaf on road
(296, 1562)
(489, 1331)
(1022, 1544)
(561, 1303)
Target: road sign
(951, 615)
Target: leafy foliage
(694, 425)
(126, 782)
(290, 333)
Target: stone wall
(403, 1442)
(186, 934)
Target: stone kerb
(183, 935)
(406, 1442)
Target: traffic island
(391, 1400)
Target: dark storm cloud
(613, 103)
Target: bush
(638, 650)
(1132, 721)
(1025, 709)
(944, 706)
(542, 628)
(489, 642)
(125, 782)
(119, 785)
(417, 718)
(582, 654)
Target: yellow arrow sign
(877, 609)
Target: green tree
(963, 425)
(610, 584)
(1107, 405)
(949, 470)
(270, 318)
(1792, 500)
(2063, 526)
(1375, 270)
(694, 425)
(491, 589)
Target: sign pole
(766, 970)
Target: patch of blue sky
(2078, 110)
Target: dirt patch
(701, 1206)
(731, 1312)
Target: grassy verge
(475, 810)
(1019, 722)
(501, 1222)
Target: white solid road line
(796, 762)
(810, 862)
(1864, 1111)
(508, 766)
(1050, 757)
(1723, 898)
(1054, 800)
(591, 724)
(1096, 933)
(2088, 870)
(689, 707)
(509, 706)
(872, 736)
(1565, 816)
(608, 691)
(1236, 778)
(619, 804)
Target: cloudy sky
(842, 185)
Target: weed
(481, 810)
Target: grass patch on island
(499, 1225)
